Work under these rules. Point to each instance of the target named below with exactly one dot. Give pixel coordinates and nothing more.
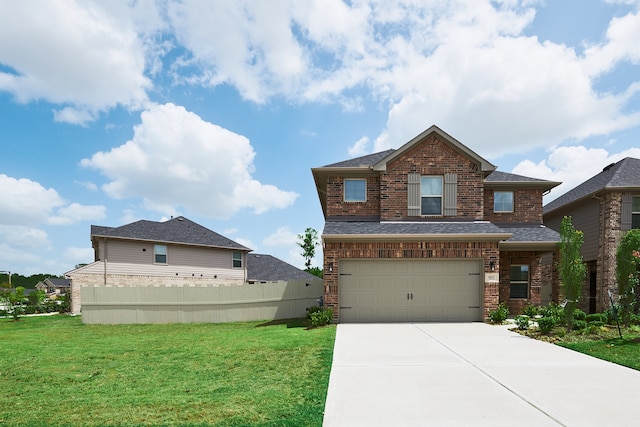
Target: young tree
(627, 275)
(308, 242)
(572, 269)
(16, 298)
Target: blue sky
(116, 111)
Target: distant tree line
(29, 282)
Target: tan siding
(585, 217)
(156, 270)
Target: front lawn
(58, 371)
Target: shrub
(596, 317)
(546, 324)
(312, 309)
(579, 325)
(579, 314)
(321, 318)
(531, 310)
(613, 314)
(500, 314)
(554, 311)
(522, 322)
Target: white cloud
(27, 203)
(360, 147)
(247, 243)
(79, 255)
(70, 52)
(283, 236)
(76, 212)
(571, 165)
(23, 237)
(177, 159)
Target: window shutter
(625, 221)
(413, 194)
(450, 194)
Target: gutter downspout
(105, 261)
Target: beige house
(604, 207)
(179, 271)
(431, 232)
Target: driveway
(471, 374)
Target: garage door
(410, 291)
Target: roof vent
(180, 218)
(606, 168)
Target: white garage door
(410, 291)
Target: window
(635, 212)
(237, 259)
(355, 190)
(503, 201)
(431, 195)
(160, 254)
(519, 282)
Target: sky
(112, 112)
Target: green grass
(56, 371)
(623, 351)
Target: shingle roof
(395, 228)
(497, 176)
(535, 233)
(623, 174)
(176, 230)
(368, 160)
(269, 268)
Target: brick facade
(509, 258)
(527, 207)
(337, 207)
(608, 245)
(432, 157)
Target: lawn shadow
(299, 322)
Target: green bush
(579, 325)
(522, 322)
(546, 324)
(500, 314)
(596, 317)
(321, 318)
(554, 311)
(613, 314)
(312, 309)
(531, 310)
(579, 314)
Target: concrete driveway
(471, 374)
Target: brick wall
(508, 258)
(335, 251)
(336, 206)
(527, 207)
(430, 158)
(608, 246)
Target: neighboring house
(604, 207)
(180, 271)
(54, 286)
(431, 232)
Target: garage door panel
(396, 291)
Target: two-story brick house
(604, 207)
(431, 232)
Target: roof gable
(483, 164)
(178, 230)
(624, 174)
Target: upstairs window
(237, 259)
(635, 212)
(519, 288)
(431, 195)
(503, 201)
(355, 190)
(160, 254)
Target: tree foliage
(308, 242)
(572, 269)
(627, 275)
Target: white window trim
(441, 195)
(513, 201)
(166, 255)
(233, 259)
(344, 196)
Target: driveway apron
(471, 374)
